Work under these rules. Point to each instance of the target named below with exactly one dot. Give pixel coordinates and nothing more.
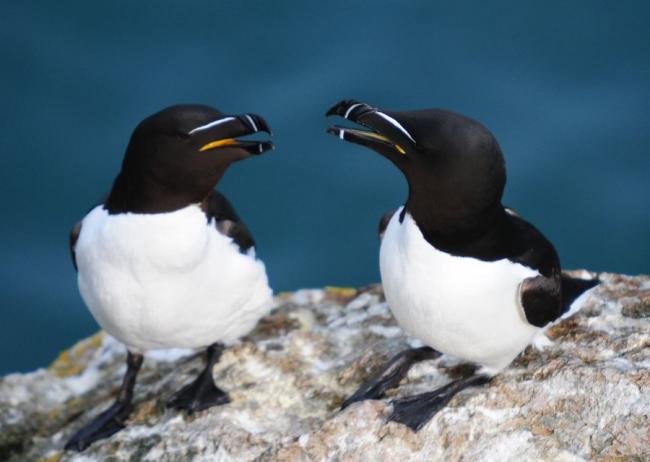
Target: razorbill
(461, 272)
(165, 261)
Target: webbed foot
(113, 419)
(391, 374)
(415, 411)
(198, 395)
(202, 393)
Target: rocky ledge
(585, 397)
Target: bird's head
(453, 164)
(175, 157)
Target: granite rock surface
(584, 397)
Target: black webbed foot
(113, 419)
(202, 393)
(416, 411)
(390, 375)
(198, 395)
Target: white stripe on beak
(250, 119)
(350, 109)
(211, 124)
(396, 124)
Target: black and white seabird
(461, 272)
(164, 261)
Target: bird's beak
(385, 134)
(223, 132)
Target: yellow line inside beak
(399, 149)
(377, 136)
(218, 143)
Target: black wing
(541, 296)
(548, 296)
(509, 236)
(520, 242)
(217, 208)
(544, 298)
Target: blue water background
(564, 86)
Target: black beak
(255, 122)
(349, 109)
(222, 134)
(386, 134)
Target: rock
(585, 397)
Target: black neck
(143, 195)
(448, 223)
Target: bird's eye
(181, 135)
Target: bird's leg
(391, 374)
(202, 393)
(415, 411)
(113, 419)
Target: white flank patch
(460, 306)
(168, 280)
(396, 124)
(212, 124)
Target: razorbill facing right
(462, 273)
(165, 261)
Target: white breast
(461, 306)
(168, 280)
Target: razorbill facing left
(165, 261)
(462, 273)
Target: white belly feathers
(460, 306)
(168, 280)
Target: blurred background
(564, 86)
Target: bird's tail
(572, 289)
